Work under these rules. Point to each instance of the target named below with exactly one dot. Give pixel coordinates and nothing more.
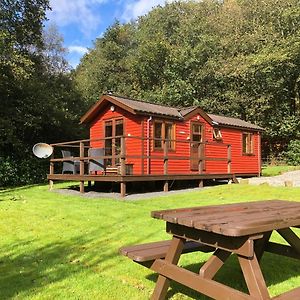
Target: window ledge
(248, 154)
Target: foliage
(60, 246)
(237, 58)
(38, 98)
(20, 172)
(293, 153)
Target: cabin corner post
(229, 159)
(166, 160)
(123, 167)
(81, 166)
(259, 153)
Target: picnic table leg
(254, 278)
(260, 245)
(290, 236)
(172, 256)
(213, 265)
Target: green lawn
(66, 247)
(277, 170)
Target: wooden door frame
(113, 137)
(192, 168)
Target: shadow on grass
(20, 188)
(276, 269)
(27, 267)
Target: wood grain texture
(236, 219)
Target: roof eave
(200, 111)
(91, 113)
(143, 113)
(241, 127)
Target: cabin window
(108, 142)
(217, 135)
(248, 143)
(119, 127)
(164, 130)
(114, 130)
(108, 129)
(196, 132)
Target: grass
(277, 170)
(66, 247)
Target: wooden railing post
(166, 161)
(123, 167)
(229, 158)
(81, 165)
(200, 162)
(51, 172)
(123, 157)
(166, 158)
(201, 158)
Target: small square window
(217, 135)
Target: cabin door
(196, 137)
(113, 132)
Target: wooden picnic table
(243, 229)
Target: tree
(235, 57)
(53, 52)
(38, 98)
(107, 66)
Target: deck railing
(81, 146)
(121, 156)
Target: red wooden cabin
(141, 141)
(114, 116)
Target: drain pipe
(148, 144)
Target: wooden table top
(239, 219)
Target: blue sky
(80, 22)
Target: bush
(292, 155)
(15, 172)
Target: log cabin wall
(137, 126)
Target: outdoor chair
(96, 164)
(69, 166)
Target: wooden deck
(119, 173)
(122, 180)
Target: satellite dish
(42, 150)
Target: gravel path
(108, 195)
(286, 179)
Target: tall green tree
(233, 57)
(107, 67)
(37, 94)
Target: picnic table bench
(243, 229)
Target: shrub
(292, 154)
(16, 172)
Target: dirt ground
(113, 195)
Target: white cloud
(74, 55)
(78, 49)
(79, 12)
(134, 9)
